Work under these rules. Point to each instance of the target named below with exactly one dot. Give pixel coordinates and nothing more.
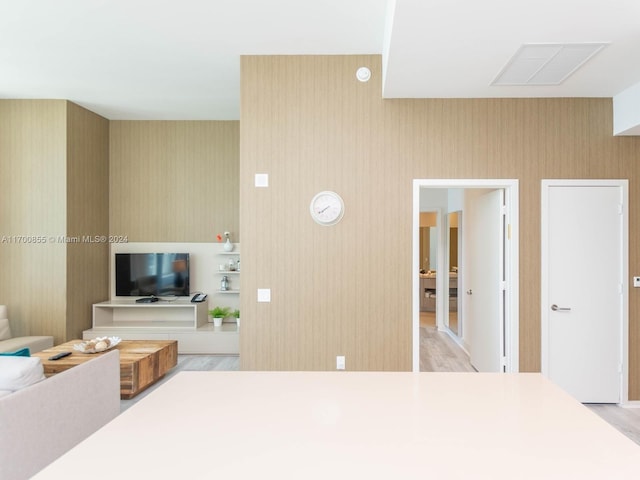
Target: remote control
(60, 355)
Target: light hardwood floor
(440, 353)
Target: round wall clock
(327, 208)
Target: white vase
(228, 246)
(217, 321)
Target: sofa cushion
(5, 330)
(35, 343)
(23, 352)
(20, 372)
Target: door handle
(556, 308)
(469, 292)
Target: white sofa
(35, 343)
(40, 422)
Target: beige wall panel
(347, 289)
(33, 209)
(174, 181)
(87, 216)
(322, 278)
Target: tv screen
(158, 274)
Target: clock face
(327, 208)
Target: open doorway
(492, 351)
(439, 251)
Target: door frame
(511, 195)
(546, 184)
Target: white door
(583, 285)
(484, 266)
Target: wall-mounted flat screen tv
(157, 274)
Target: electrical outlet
(340, 362)
(636, 282)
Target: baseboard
(456, 339)
(630, 404)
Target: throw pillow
(5, 330)
(20, 372)
(23, 352)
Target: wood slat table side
(142, 362)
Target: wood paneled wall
(87, 216)
(54, 164)
(346, 290)
(33, 211)
(174, 181)
(341, 290)
(170, 181)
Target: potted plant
(236, 313)
(218, 313)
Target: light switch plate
(262, 180)
(636, 282)
(340, 363)
(264, 294)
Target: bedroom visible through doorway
(446, 289)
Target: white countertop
(355, 425)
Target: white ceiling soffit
(546, 64)
(626, 112)
(440, 49)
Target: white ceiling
(161, 59)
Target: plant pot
(217, 321)
(238, 322)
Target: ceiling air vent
(546, 63)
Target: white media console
(178, 320)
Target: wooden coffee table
(142, 362)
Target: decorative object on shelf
(228, 246)
(232, 266)
(236, 313)
(218, 314)
(224, 283)
(97, 345)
